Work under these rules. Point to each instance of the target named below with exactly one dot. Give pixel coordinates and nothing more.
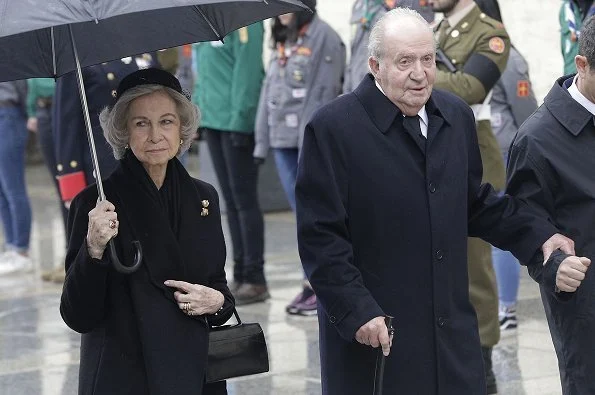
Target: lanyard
(284, 53)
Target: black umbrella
(49, 38)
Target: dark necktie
(411, 125)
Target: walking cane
(381, 359)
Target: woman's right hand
(103, 226)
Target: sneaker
(307, 307)
(306, 292)
(251, 293)
(507, 316)
(13, 262)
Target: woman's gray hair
(113, 120)
(396, 15)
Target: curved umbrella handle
(138, 257)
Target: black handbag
(236, 350)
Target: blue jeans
(286, 160)
(507, 270)
(15, 210)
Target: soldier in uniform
(73, 159)
(472, 53)
(364, 15)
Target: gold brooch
(204, 212)
(205, 203)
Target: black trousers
(46, 144)
(231, 153)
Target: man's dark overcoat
(382, 229)
(551, 167)
(135, 339)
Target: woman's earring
(126, 146)
(181, 141)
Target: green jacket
(568, 40)
(38, 87)
(229, 78)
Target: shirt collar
(458, 16)
(580, 98)
(423, 114)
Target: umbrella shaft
(88, 127)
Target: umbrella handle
(138, 257)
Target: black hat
(151, 76)
(310, 3)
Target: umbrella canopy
(35, 39)
(49, 38)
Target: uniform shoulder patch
(243, 32)
(497, 45)
(522, 88)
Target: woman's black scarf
(166, 221)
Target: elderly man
(551, 168)
(388, 189)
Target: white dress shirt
(423, 115)
(580, 98)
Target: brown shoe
(233, 286)
(56, 275)
(251, 293)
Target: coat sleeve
(261, 125)
(518, 90)
(247, 76)
(218, 280)
(83, 301)
(527, 182)
(481, 71)
(323, 234)
(69, 136)
(503, 221)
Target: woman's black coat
(135, 339)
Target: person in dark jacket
(305, 72)
(551, 168)
(388, 189)
(147, 332)
(227, 88)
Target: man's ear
(582, 65)
(374, 65)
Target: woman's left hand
(196, 299)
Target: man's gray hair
(113, 120)
(376, 40)
(586, 42)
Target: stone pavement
(39, 354)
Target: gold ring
(186, 306)
(112, 224)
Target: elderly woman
(147, 333)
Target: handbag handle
(235, 312)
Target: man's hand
(375, 333)
(571, 273)
(32, 124)
(557, 242)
